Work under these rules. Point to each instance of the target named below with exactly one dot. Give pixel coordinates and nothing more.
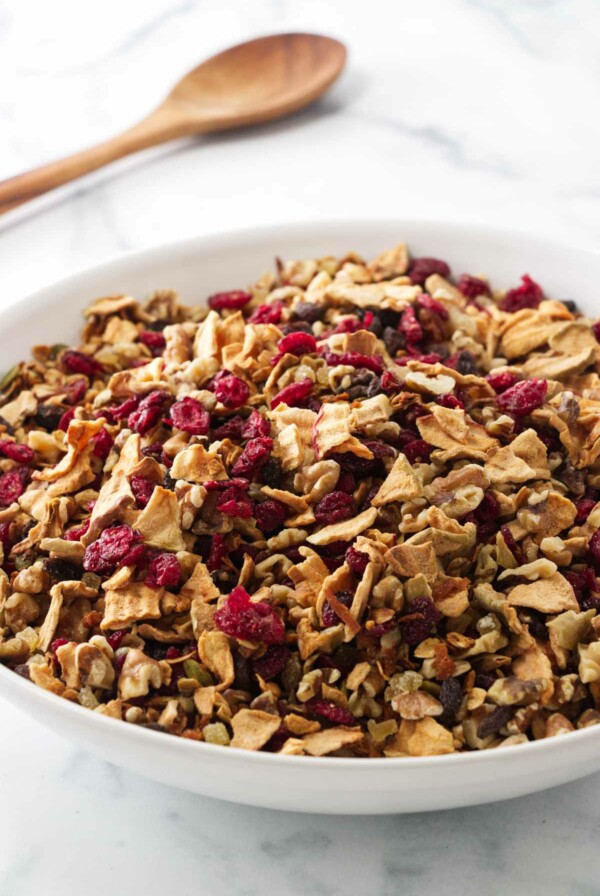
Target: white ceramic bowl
(197, 268)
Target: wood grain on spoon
(248, 84)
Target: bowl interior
(196, 268)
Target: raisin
(48, 416)
(451, 699)
(271, 473)
(419, 623)
(494, 721)
(393, 340)
(309, 311)
(61, 570)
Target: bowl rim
(26, 304)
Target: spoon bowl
(248, 84)
(257, 81)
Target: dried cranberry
(272, 662)
(113, 545)
(410, 327)
(523, 398)
(594, 546)
(217, 553)
(102, 443)
(219, 485)
(270, 514)
(267, 314)
(235, 502)
(75, 391)
(334, 508)
(528, 295)
(432, 358)
(152, 340)
(329, 711)
(503, 380)
(163, 572)
(422, 268)
(149, 412)
(77, 533)
(115, 638)
(449, 401)
(255, 426)
(22, 454)
(389, 384)
(489, 508)
(346, 482)
(230, 429)
(596, 329)
(297, 344)
(428, 303)
(12, 485)
(347, 325)
(584, 507)
(252, 457)
(293, 394)
(511, 544)
(77, 362)
(142, 489)
(6, 537)
(328, 614)
(240, 618)
(417, 451)
(232, 300)
(230, 390)
(63, 423)
(189, 415)
(420, 621)
(472, 287)
(357, 561)
(355, 359)
(121, 411)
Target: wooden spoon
(248, 84)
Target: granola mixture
(353, 511)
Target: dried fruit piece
(189, 415)
(77, 362)
(242, 618)
(422, 268)
(22, 454)
(334, 508)
(163, 572)
(230, 301)
(231, 391)
(523, 398)
(293, 394)
(256, 452)
(12, 485)
(472, 287)
(528, 295)
(297, 344)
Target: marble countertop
(479, 110)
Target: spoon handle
(160, 126)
